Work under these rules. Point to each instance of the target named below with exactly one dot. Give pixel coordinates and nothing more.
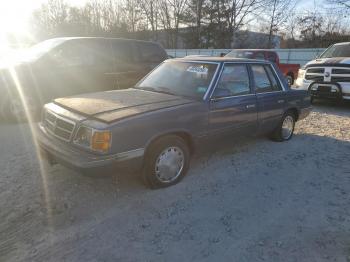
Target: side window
(233, 81)
(71, 54)
(81, 54)
(122, 52)
(149, 52)
(274, 81)
(261, 80)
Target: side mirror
(221, 92)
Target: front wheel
(290, 80)
(166, 162)
(285, 129)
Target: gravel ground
(247, 200)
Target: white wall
(289, 56)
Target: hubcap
(287, 127)
(169, 164)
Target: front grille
(340, 78)
(58, 126)
(341, 71)
(340, 75)
(315, 78)
(316, 70)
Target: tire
(290, 80)
(166, 162)
(287, 122)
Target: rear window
(241, 54)
(246, 54)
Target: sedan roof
(221, 59)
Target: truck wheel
(285, 129)
(166, 162)
(290, 80)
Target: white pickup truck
(328, 76)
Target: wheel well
(291, 74)
(184, 135)
(295, 112)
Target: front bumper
(343, 89)
(56, 151)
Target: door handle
(250, 106)
(280, 101)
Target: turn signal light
(101, 141)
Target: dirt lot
(252, 200)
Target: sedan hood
(118, 104)
(334, 61)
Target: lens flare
(31, 122)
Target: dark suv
(69, 66)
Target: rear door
(270, 96)
(233, 105)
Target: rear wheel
(285, 129)
(166, 162)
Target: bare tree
(177, 7)
(341, 3)
(51, 17)
(238, 13)
(194, 15)
(151, 10)
(132, 14)
(277, 13)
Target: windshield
(36, 51)
(189, 79)
(342, 50)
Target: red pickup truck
(289, 70)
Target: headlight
(96, 140)
(301, 73)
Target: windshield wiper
(157, 90)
